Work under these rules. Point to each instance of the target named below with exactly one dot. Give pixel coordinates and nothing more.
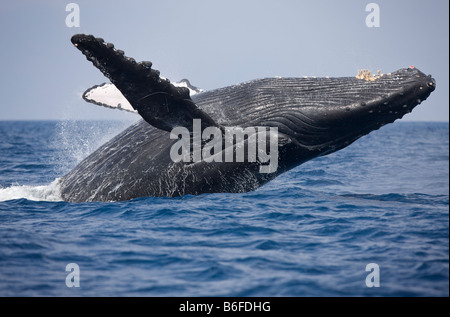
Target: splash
(75, 140)
(49, 192)
(70, 142)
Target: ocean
(369, 220)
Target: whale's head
(323, 115)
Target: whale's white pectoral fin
(107, 95)
(192, 89)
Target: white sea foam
(49, 192)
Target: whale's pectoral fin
(107, 95)
(159, 102)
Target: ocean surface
(310, 232)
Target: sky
(214, 44)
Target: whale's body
(313, 117)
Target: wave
(49, 192)
(414, 198)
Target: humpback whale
(302, 118)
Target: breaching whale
(181, 146)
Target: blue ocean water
(310, 232)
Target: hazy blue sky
(214, 44)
